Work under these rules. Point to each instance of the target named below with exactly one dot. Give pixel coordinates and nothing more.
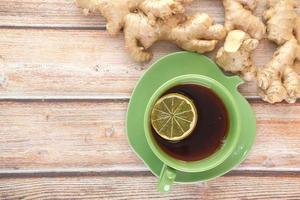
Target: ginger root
(282, 21)
(238, 15)
(196, 33)
(277, 80)
(235, 56)
(113, 10)
(147, 21)
(163, 9)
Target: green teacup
(172, 165)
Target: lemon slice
(174, 117)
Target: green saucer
(171, 66)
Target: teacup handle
(166, 178)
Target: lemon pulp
(174, 117)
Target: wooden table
(65, 86)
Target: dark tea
(211, 128)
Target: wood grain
(45, 13)
(78, 64)
(57, 13)
(62, 14)
(144, 187)
(88, 135)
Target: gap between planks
(38, 27)
(103, 98)
(85, 97)
(100, 98)
(118, 171)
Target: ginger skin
(163, 9)
(235, 56)
(113, 10)
(148, 21)
(238, 15)
(277, 80)
(196, 33)
(282, 21)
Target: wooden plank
(56, 13)
(46, 13)
(144, 187)
(88, 135)
(78, 64)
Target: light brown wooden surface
(65, 14)
(57, 13)
(78, 63)
(54, 135)
(64, 90)
(144, 187)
